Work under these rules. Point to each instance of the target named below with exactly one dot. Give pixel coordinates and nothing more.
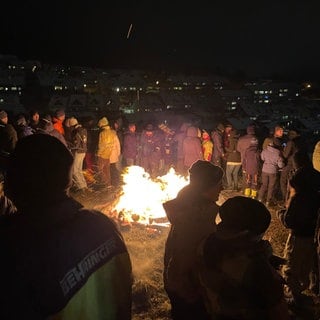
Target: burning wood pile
(139, 202)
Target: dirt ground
(146, 248)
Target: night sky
(255, 37)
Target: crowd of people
(63, 261)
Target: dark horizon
(265, 40)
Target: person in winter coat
(22, 128)
(58, 120)
(300, 217)
(249, 151)
(59, 259)
(233, 161)
(150, 150)
(218, 157)
(272, 162)
(294, 144)
(207, 146)
(276, 138)
(192, 216)
(192, 149)
(114, 162)
(130, 145)
(168, 157)
(107, 141)
(78, 147)
(46, 127)
(178, 138)
(236, 269)
(34, 118)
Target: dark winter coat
(302, 212)
(294, 145)
(192, 219)
(218, 149)
(130, 145)
(251, 160)
(232, 155)
(192, 148)
(55, 258)
(79, 139)
(150, 145)
(238, 279)
(245, 142)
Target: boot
(253, 194)
(247, 192)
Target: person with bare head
(59, 259)
(276, 137)
(192, 216)
(34, 118)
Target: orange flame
(141, 198)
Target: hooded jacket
(192, 148)
(107, 140)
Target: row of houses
(137, 93)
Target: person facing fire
(218, 157)
(107, 141)
(150, 149)
(130, 145)
(59, 259)
(168, 150)
(58, 120)
(192, 148)
(237, 270)
(207, 145)
(192, 216)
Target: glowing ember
(141, 198)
